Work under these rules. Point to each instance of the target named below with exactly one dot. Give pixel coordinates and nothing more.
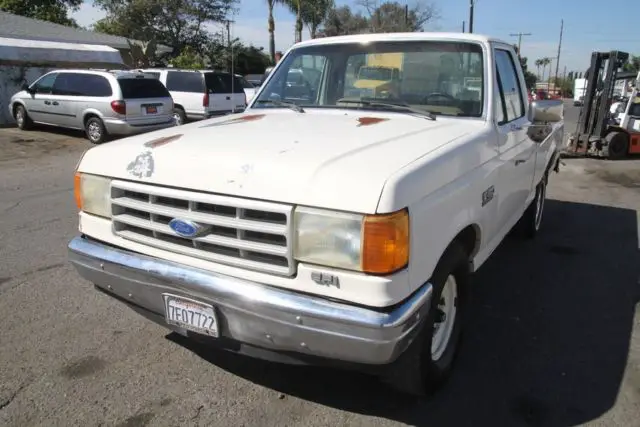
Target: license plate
(191, 315)
(152, 109)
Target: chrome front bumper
(256, 314)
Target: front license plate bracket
(191, 315)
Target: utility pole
(519, 36)
(559, 47)
(463, 22)
(471, 2)
(230, 51)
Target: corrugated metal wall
(10, 83)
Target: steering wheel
(425, 100)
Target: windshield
(374, 73)
(441, 77)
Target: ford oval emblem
(186, 228)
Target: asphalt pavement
(553, 337)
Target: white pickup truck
(318, 227)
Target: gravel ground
(553, 338)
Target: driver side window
(45, 84)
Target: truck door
(517, 150)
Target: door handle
(47, 102)
(228, 98)
(55, 103)
(519, 161)
(515, 127)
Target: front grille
(243, 233)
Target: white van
(579, 88)
(200, 94)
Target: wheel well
(469, 238)
(178, 106)
(15, 108)
(87, 117)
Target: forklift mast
(603, 73)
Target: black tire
(23, 120)
(180, 116)
(416, 372)
(531, 221)
(616, 145)
(95, 130)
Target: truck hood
(335, 159)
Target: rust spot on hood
(241, 119)
(367, 121)
(158, 142)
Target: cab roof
(417, 36)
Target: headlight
(377, 244)
(93, 194)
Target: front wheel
(22, 118)
(427, 363)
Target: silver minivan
(102, 103)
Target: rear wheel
(616, 145)
(179, 116)
(94, 128)
(428, 361)
(22, 118)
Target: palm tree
(296, 7)
(272, 28)
(546, 61)
(538, 64)
(314, 13)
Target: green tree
(341, 21)
(271, 22)
(529, 78)
(314, 13)
(173, 23)
(56, 11)
(246, 59)
(633, 64)
(188, 59)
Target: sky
(584, 30)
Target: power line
(519, 36)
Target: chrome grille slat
(244, 233)
(212, 239)
(200, 217)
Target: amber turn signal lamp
(385, 243)
(77, 192)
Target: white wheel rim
(540, 206)
(445, 318)
(94, 131)
(20, 117)
(177, 118)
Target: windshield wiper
(398, 107)
(289, 105)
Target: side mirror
(542, 115)
(546, 111)
(25, 87)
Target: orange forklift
(601, 132)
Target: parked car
(201, 94)
(102, 103)
(249, 89)
(254, 79)
(328, 228)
